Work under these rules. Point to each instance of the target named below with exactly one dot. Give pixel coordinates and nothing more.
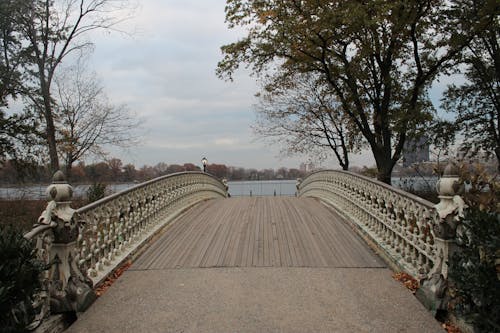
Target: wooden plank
(293, 246)
(181, 246)
(261, 239)
(268, 254)
(220, 219)
(258, 231)
(283, 243)
(307, 232)
(230, 251)
(176, 229)
(184, 243)
(255, 236)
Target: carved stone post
(226, 187)
(434, 288)
(69, 289)
(297, 186)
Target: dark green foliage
(96, 191)
(476, 102)
(19, 279)
(474, 273)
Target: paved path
(257, 265)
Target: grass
(24, 213)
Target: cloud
(226, 142)
(166, 74)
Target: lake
(236, 188)
(262, 188)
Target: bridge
(201, 261)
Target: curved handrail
(115, 226)
(400, 223)
(141, 185)
(37, 230)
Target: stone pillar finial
(298, 183)
(69, 288)
(226, 187)
(59, 190)
(451, 206)
(434, 288)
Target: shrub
(474, 272)
(95, 192)
(19, 279)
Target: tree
(52, 30)
(218, 170)
(173, 168)
(161, 168)
(17, 131)
(19, 140)
(301, 112)
(10, 53)
(476, 103)
(116, 166)
(378, 57)
(129, 173)
(191, 167)
(86, 122)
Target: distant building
(307, 167)
(415, 151)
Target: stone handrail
(401, 224)
(82, 247)
(112, 226)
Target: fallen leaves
(112, 278)
(450, 328)
(412, 284)
(409, 281)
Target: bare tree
(300, 112)
(53, 29)
(86, 122)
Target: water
(236, 188)
(262, 188)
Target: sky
(164, 70)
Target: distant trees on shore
(113, 170)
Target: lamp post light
(204, 161)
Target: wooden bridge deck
(258, 232)
(302, 269)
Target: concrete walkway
(257, 265)
(257, 300)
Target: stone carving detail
(402, 224)
(450, 209)
(85, 245)
(64, 287)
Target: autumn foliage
(99, 291)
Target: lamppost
(204, 161)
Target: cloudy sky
(165, 72)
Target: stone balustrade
(82, 247)
(112, 227)
(399, 223)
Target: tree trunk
(51, 135)
(50, 131)
(497, 153)
(384, 166)
(67, 169)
